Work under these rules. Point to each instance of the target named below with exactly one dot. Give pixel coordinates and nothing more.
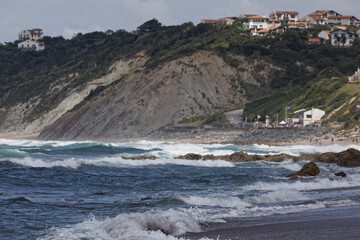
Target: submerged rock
(308, 170)
(340, 174)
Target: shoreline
(326, 223)
(203, 140)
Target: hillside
(122, 85)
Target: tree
(149, 26)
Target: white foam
(276, 197)
(115, 162)
(148, 225)
(39, 163)
(315, 184)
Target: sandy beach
(327, 224)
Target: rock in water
(340, 174)
(308, 170)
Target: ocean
(85, 190)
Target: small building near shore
(355, 77)
(305, 117)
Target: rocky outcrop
(340, 174)
(308, 170)
(348, 158)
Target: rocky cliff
(146, 100)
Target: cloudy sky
(67, 17)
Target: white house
(343, 20)
(266, 31)
(274, 22)
(320, 17)
(324, 35)
(285, 15)
(355, 77)
(299, 25)
(313, 20)
(30, 45)
(306, 117)
(33, 34)
(255, 21)
(227, 21)
(340, 37)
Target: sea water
(86, 190)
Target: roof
(316, 17)
(274, 20)
(298, 23)
(37, 29)
(40, 43)
(321, 12)
(342, 17)
(327, 32)
(255, 17)
(210, 21)
(314, 40)
(290, 12)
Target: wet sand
(329, 223)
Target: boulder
(308, 170)
(190, 156)
(340, 174)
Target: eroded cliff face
(144, 101)
(21, 119)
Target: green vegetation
(71, 63)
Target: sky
(68, 17)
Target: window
(335, 42)
(308, 116)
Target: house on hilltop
(31, 45)
(33, 34)
(340, 37)
(255, 21)
(299, 25)
(344, 20)
(320, 17)
(285, 15)
(227, 21)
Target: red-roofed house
(255, 21)
(314, 41)
(210, 21)
(343, 20)
(228, 21)
(31, 45)
(320, 17)
(33, 34)
(299, 25)
(266, 31)
(285, 15)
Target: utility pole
(277, 120)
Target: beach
(322, 224)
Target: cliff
(144, 101)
